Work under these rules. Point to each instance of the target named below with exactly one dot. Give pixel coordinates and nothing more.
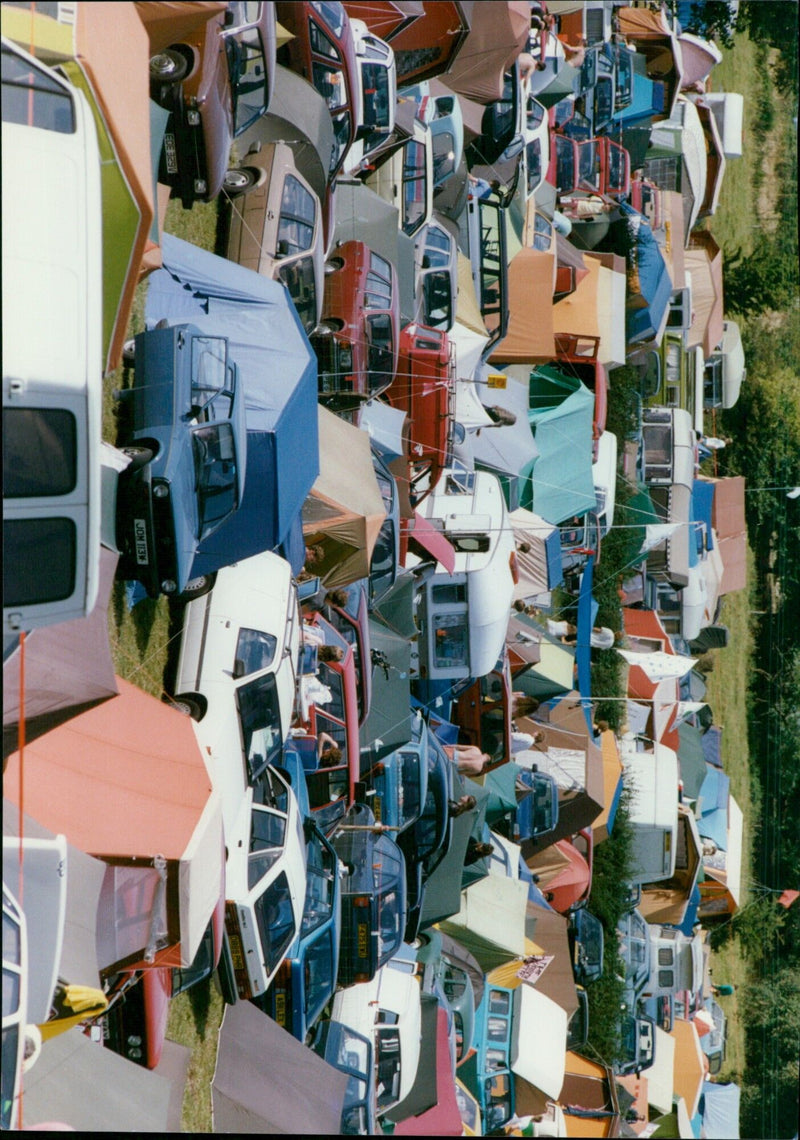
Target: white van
(462, 617)
(52, 347)
(676, 961)
(387, 1011)
(653, 781)
(237, 671)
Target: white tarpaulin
(567, 766)
(539, 1040)
(659, 666)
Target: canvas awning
(715, 159)
(728, 108)
(468, 309)
(529, 339)
(443, 1118)
(344, 511)
(491, 921)
(539, 566)
(593, 310)
(725, 867)
(733, 364)
(673, 247)
(548, 930)
(649, 32)
(700, 57)
(721, 1110)
(433, 542)
(68, 669)
(660, 1075)
(681, 137)
(730, 527)
(567, 884)
(538, 1040)
(127, 783)
(612, 786)
(505, 449)
(105, 52)
(265, 1081)
(689, 1070)
(498, 33)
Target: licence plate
(280, 1008)
(140, 541)
(170, 154)
(376, 808)
(236, 951)
(363, 939)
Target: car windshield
(319, 974)
(429, 830)
(297, 217)
(332, 13)
(389, 932)
(215, 471)
(415, 182)
(329, 80)
(616, 168)
(375, 89)
(380, 356)
(247, 69)
(275, 921)
(409, 787)
(535, 112)
(450, 648)
(589, 165)
(563, 112)
(341, 140)
(437, 299)
(542, 233)
(255, 650)
(32, 98)
(624, 78)
(565, 163)
(603, 106)
(382, 564)
(260, 721)
(387, 1044)
(267, 837)
(320, 871)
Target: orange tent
(689, 1070)
(529, 339)
(704, 262)
(127, 783)
(565, 885)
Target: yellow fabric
(84, 1001)
(469, 311)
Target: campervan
(462, 616)
(52, 348)
(387, 1011)
(676, 961)
(653, 780)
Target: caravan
(653, 779)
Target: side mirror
(239, 668)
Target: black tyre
(239, 180)
(167, 68)
(332, 265)
(196, 587)
(139, 456)
(190, 704)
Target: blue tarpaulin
(587, 611)
(700, 506)
(690, 917)
(278, 372)
(712, 744)
(720, 1110)
(714, 825)
(714, 790)
(647, 303)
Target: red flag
(788, 897)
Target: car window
(296, 222)
(216, 473)
(320, 869)
(39, 560)
(248, 74)
(267, 837)
(380, 357)
(375, 89)
(212, 391)
(260, 722)
(275, 921)
(329, 80)
(39, 452)
(444, 155)
(437, 300)
(255, 650)
(32, 98)
(415, 181)
(341, 138)
(381, 266)
(299, 278)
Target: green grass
(143, 643)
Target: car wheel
(239, 179)
(332, 265)
(139, 456)
(329, 326)
(129, 353)
(190, 704)
(196, 587)
(167, 68)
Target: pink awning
(445, 1118)
(433, 542)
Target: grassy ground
(141, 644)
(727, 693)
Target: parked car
(405, 179)
(373, 897)
(187, 443)
(585, 937)
(350, 1053)
(397, 786)
(634, 952)
(441, 111)
(357, 340)
(52, 348)
(276, 229)
(265, 882)
(604, 167)
(306, 979)
(637, 1047)
(537, 812)
(425, 389)
(237, 670)
(436, 274)
(214, 71)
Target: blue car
(537, 812)
(306, 980)
(188, 451)
(398, 785)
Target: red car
(424, 388)
(322, 50)
(563, 170)
(357, 340)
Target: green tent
(691, 759)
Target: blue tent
(647, 305)
(714, 790)
(714, 825)
(278, 371)
(690, 917)
(712, 743)
(558, 483)
(720, 1110)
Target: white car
(237, 672)
(265, 882)
(535, 129)
(405, 180)
(436, 274)
(52, 347)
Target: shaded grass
(194, 1021)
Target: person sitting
(329, 752)
(468, 758)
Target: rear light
(237, 951)
(362, 977)
(361, 900)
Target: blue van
(398, 784)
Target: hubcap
(163, 65)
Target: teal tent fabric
(558, 483)
(691, 760)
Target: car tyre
(139, 456)
(239, 180)
(196, 588)
(129, 353)
(333, 265)
(190, 704)
(167, 68)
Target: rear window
(32, 98)
(39, 452)
(39, 560)
(296, 223)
